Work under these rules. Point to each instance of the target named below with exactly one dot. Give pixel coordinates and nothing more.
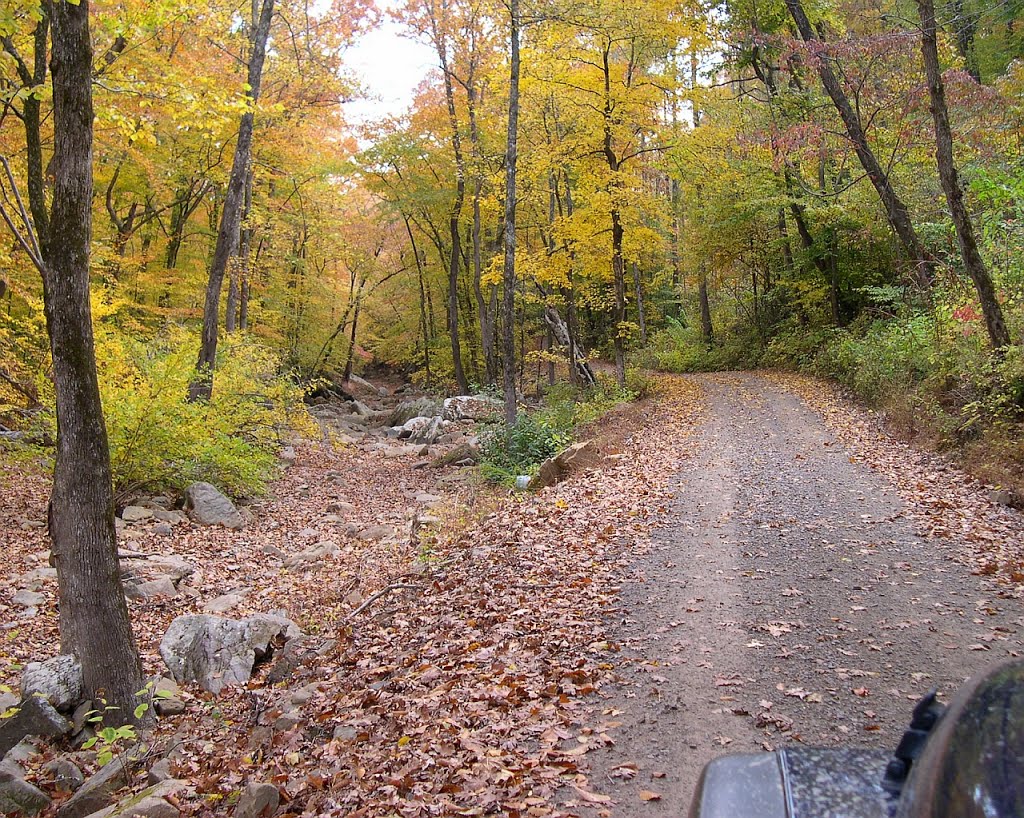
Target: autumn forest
(214, 272)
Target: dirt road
(788, 599)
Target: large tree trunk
(973, 262)
(201, 387)
(94, 623)
(618, 263)
(896, 210)
(509, 271)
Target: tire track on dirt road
(787, 599)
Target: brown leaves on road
(461, 692)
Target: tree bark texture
(201, 387)
(896, 210)
(998, 334)
(509, 271)
(94, 622)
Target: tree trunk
(94, 623)
(707, 330)
(998, 334)
(896, 210)
(201, 387)
(638, 287)
(509, 271)
(563, 336)
(618, 264)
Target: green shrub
(508, 451)
(158, 440)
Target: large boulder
(209, 507)
(58, 680)
(409, 409)
(577, 457)
(215, 651)
(471, 407)
(34, 717)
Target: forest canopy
(698, 186)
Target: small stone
(286, 721)
(308, 534)
(169, 707)
(340, 506)
(134, 514)
(376, 532)
(29, 599)
(169, 516)
(66, 774)
(274, 551)
(161, 586)
(159, 772)
(163, 529)
(288, 456)
(225, 602)
(258, 801)
(344, 732)
(302, 696)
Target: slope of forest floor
(461, 690)
(754, 563)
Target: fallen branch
(381, 593)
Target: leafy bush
(520, 449)
(158, 440)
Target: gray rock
(258, 801)
(165, 708)
(17, 796)
(150, 589)
(274, 551)
(471, 407)
(339, 506)
(163, 529)
(210, 507)
(225, 602)
(169, 516)
(141, 567)
(35, 717)
(312, 556)
(66, 774)
(134, 514)
(160, 771)
(97, 791)
(29, 599)
(578, 457)
(58, 680)
(150, 803)
(287, 720)
(215, 651)
(407, 410)
(344, 732)
(34, 579)
(376, 532)
(287, 456)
